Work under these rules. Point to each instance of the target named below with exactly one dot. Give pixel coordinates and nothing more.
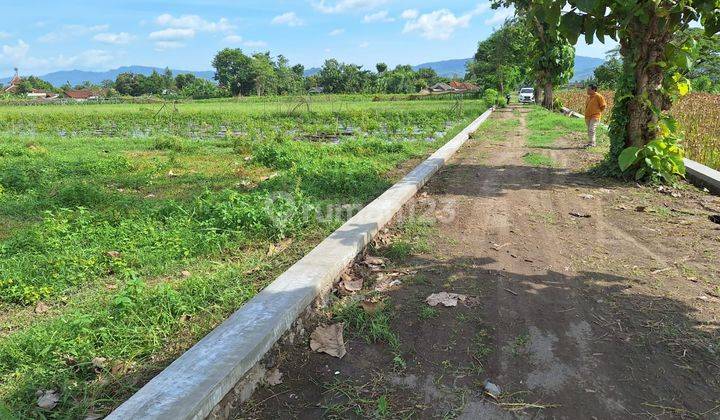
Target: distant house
(14, 84)
(41, 94)
(82, 94)
(464, 86)
(316, 90)
(441, 88)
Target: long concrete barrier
(194, 384)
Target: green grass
(497, 130)
(547, 127)
(104, 229)
(536, 159)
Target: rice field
(698, 114)
(127, 232)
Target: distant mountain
(76, 77)
(585, 66)
(448, 68)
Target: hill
(584, 67)
(76, 77)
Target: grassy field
(127, 232)
(697, 113)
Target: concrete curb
(702, 175)
(697, 173)
(199, 379)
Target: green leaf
(589, 30)
(628, 158)
(571, 26)
(588, 6)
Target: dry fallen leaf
(113, 254)
(48, 399)
(41, 308)
(275, 249)
(374, 261)
(371, 307)
(185, 273)
(273, 377)
(349, 285)
(445, 298)
(328, 339)
(98, 363)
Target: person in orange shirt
(594, 107)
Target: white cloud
(439, 24)
(4, 35)
(364, 44)
(410, 14)
(341, 6)
(69, 31)
(255, 44)
(336, 32)
(120, 38)
(18, 55)
(500, 15)
(381, 16)
(233, 39)
(172, 34)
(168, 45)
(289, 19)
(194, 22)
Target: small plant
(661, 160)
(429, 313)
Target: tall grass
(697, 113)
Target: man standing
(594, 107)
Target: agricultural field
(127, 232)
(698, 114)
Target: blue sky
(44, 36)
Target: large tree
(502, 61)
(553, 57)
(654, 67)
(234, 71)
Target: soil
(615, 315)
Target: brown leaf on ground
(374, 262)
(273, 377)
(372, 306)
(349, 285)
(328, 339)
(113, 254)
(185, 273)
(41, 308)
(98, 363)
(445, 299)
(48, 399)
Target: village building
(14, 84)
(81, 95)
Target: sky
(40, 36)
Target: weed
(429, 313)
(535, 159)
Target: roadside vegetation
(119, 250)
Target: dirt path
(611, 316)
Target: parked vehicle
(526, 96)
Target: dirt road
(612, 312)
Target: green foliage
(656, 62)
(100, 228)
(502, 61)
(661, 160)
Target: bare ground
(615, 315)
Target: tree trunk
(538, 93)
(548, 96)
(644, 47)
